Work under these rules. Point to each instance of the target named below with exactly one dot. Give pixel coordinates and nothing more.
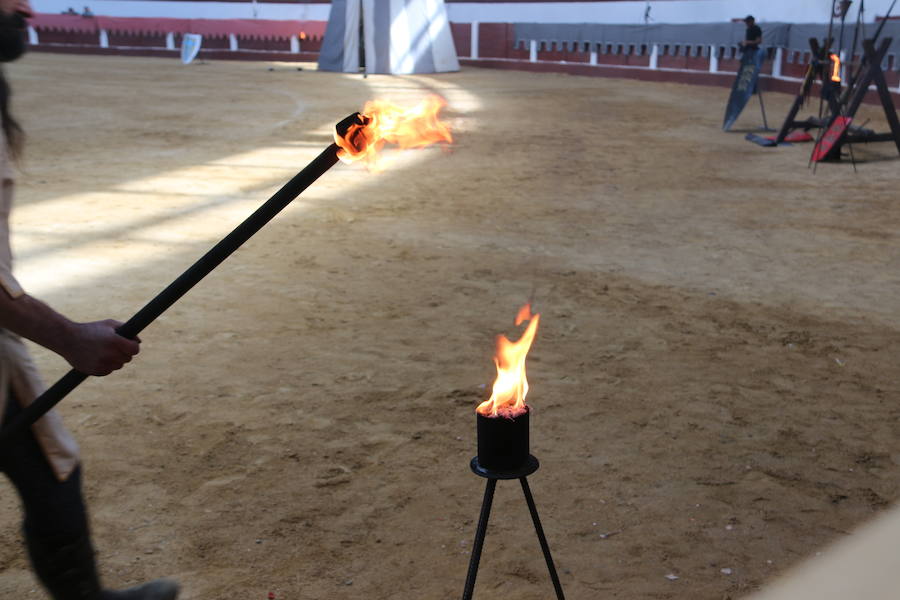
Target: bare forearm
(93, 348)
(34, 320)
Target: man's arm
(92, 348)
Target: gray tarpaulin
(798, 38)
(684, 39)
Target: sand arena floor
(714, 383)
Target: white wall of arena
(602, 11)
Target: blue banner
(744, 84)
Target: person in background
(43, 463)
(753, 36)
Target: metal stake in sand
(358, 136)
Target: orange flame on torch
(511, 386)
(385, 122)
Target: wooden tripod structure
(816, 69)
(838, 131)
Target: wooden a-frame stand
(838, 131)
(816, 69)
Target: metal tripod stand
(522, 473)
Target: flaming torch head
(350, 134)
(362, 136)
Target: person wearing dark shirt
(753, 37)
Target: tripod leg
(479, 538)
(762, 107)
(541, 537)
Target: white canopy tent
(400, 37)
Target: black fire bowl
(503, 447)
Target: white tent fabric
(401, 37)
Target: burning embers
(385, 122)
(502, 420)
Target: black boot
(69, 572)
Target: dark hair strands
(12, 131)
(12, 46)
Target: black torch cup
(503, 453)
(503, 446)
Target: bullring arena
(713, 385)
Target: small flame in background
(386, 122)
(835, 68)
(511, 386)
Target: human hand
(96, 349)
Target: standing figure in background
(753, 36)
(43, 463)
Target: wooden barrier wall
(491, 45)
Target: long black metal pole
(179, 287)
(887, 17)
(762, 107)
(862, 63)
